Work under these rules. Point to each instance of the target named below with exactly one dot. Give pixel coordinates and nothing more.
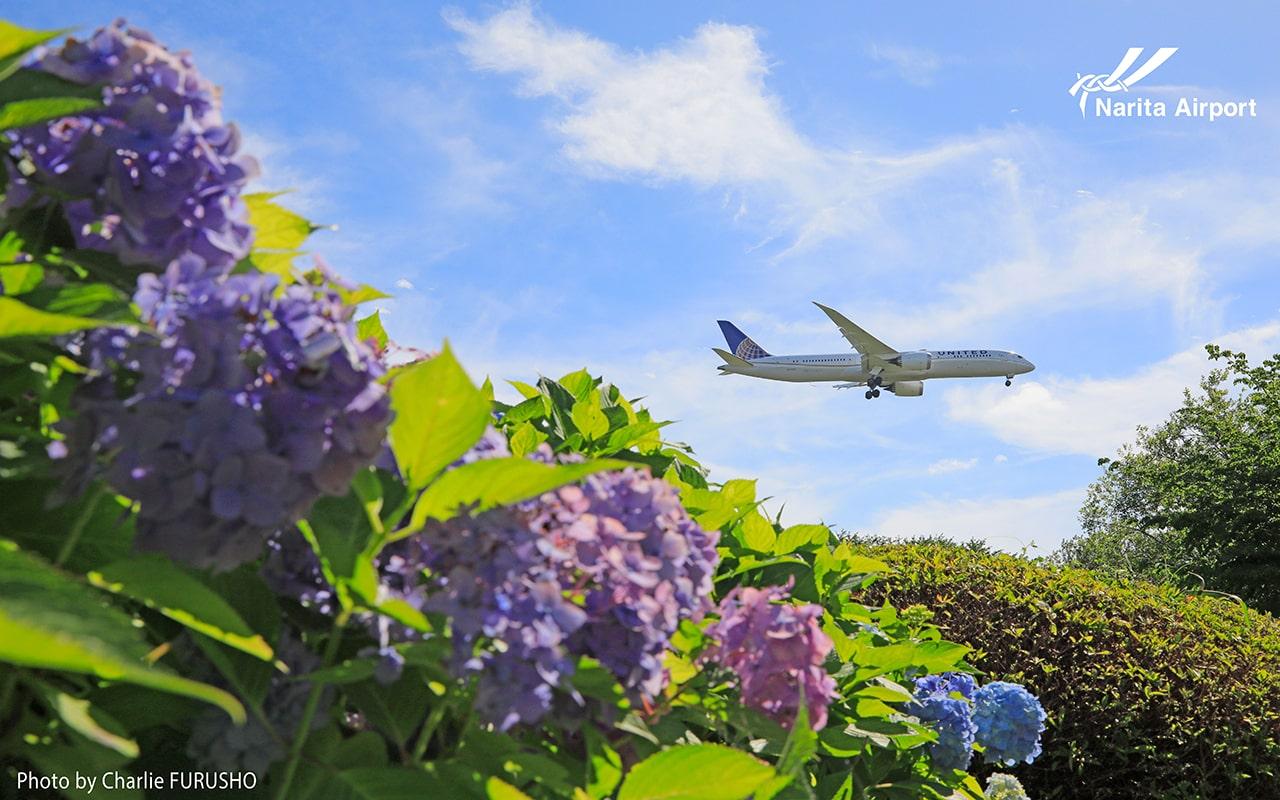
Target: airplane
(874, 365)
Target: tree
(1196, 500)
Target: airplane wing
(862, 341)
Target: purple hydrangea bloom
(607, 569)
(1009, 722)
(951, 717)
(152, 175)
(642, 564)
(242, 406)
(776, 648)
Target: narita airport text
(112, 781)
(1194, 107)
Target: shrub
(1151, 693)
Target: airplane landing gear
(874, 381)
(870, 393)
(1008, 381)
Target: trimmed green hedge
(1151, 693)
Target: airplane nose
(1029, 366)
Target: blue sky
(583, 184)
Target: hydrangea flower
(152, 175)
(607, 569)
(776, 649)
(950, 716)
(1009, 721)
(233, 414)
(1004, 787)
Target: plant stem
(309, 712)
(77, 529)
(428, 730)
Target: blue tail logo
(739, 343)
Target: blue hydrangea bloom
(951, 717)
(1009, 721)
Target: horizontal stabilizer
(731, 359)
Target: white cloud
(1094, 416)
(945, 465)
(915, 65)
(697, 111)
(1009, 523)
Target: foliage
(1150, 693)
(237, 540)
(1194, 501)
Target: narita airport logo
(1103, 89)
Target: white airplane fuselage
(856, 368)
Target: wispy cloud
(946, 465)
(1094, 416)
(1009, 523)
(699, 111)
(915, 65)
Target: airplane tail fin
(740, 344)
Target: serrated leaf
(361, 294)
(526, 439)
(370, 328)
(526, 391)
(739, 491)
(589, 419)
(17, 319)
(494, 482)
(439, 414)
(160, 584)
(579, 384)
(21, 113)
(275, 227)
(696, 772)
(801, 536)
(48, 621)
(758, 533)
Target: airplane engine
(913, 362)
(907, 388)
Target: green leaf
(493, 482)
(800, 746)
(696, 772)
(160, 584)
(526, 391)
(439, 414)
(526, 439)
(604, 767)
(20, 278)
(579, 384)
(275, 227)
(33, 84)
(758, 533)
(371, 328)
(801, 536)
(16, 41)
(28, 112)
(48, 621)
(276, 263)
(589, 419)
(498, 789)
(361, 294)
(91, 723)
(739, 491)
(19, 319)
(385, 783)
